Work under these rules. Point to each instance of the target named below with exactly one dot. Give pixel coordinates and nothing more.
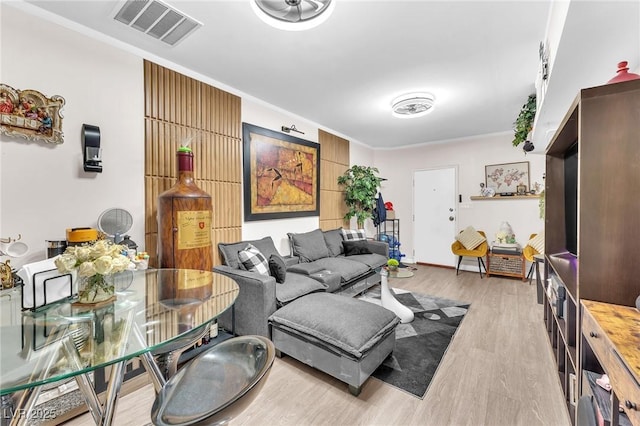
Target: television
(571, 199)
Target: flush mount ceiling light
(293, 15)
(412, 105)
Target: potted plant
(524, 123)
(361, 185)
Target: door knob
(451, 218)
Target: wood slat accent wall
(334, 161)
(177, 108)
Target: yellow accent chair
(479, 252)
(528, 252)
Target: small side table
(539, 259)
(509, 265)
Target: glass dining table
(153, 310)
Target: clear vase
(95, 289)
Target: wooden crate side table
(509, 265)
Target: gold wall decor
(31, 115)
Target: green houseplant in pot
(361, 185)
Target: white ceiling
(479, 59)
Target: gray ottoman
(341, 336)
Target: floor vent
(157, 19)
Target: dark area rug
(420, 344)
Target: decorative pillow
(470, 238)
(537, 242)
(229, 251)
(333, 238)
(277, 268)
(355, 247)
(253, 260)
(353, 235)
(309, 246)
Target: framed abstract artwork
(281, 175)
(506, 178)
(31, 115)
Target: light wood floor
(498, 370)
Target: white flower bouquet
(93, 263)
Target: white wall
(43, 188)
(470, 155)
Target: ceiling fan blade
(274, 5)
(317, 5)
(294, 14)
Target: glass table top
(153, 308)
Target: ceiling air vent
(157, 19)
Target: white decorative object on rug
(390, 302)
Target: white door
(434, 215)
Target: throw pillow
(229, 251)
(277, 268)
(352, 248)
(353, 234)
(470, 238)
(334, 239)
(537, 242)
(253, 260)
(309, 246)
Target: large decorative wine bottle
(184, 221)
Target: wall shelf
(506, 197)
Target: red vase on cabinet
(623, 74)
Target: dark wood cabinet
(604, 122)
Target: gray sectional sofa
(317, 263)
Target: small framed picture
(522, 189)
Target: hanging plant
(524, 122)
